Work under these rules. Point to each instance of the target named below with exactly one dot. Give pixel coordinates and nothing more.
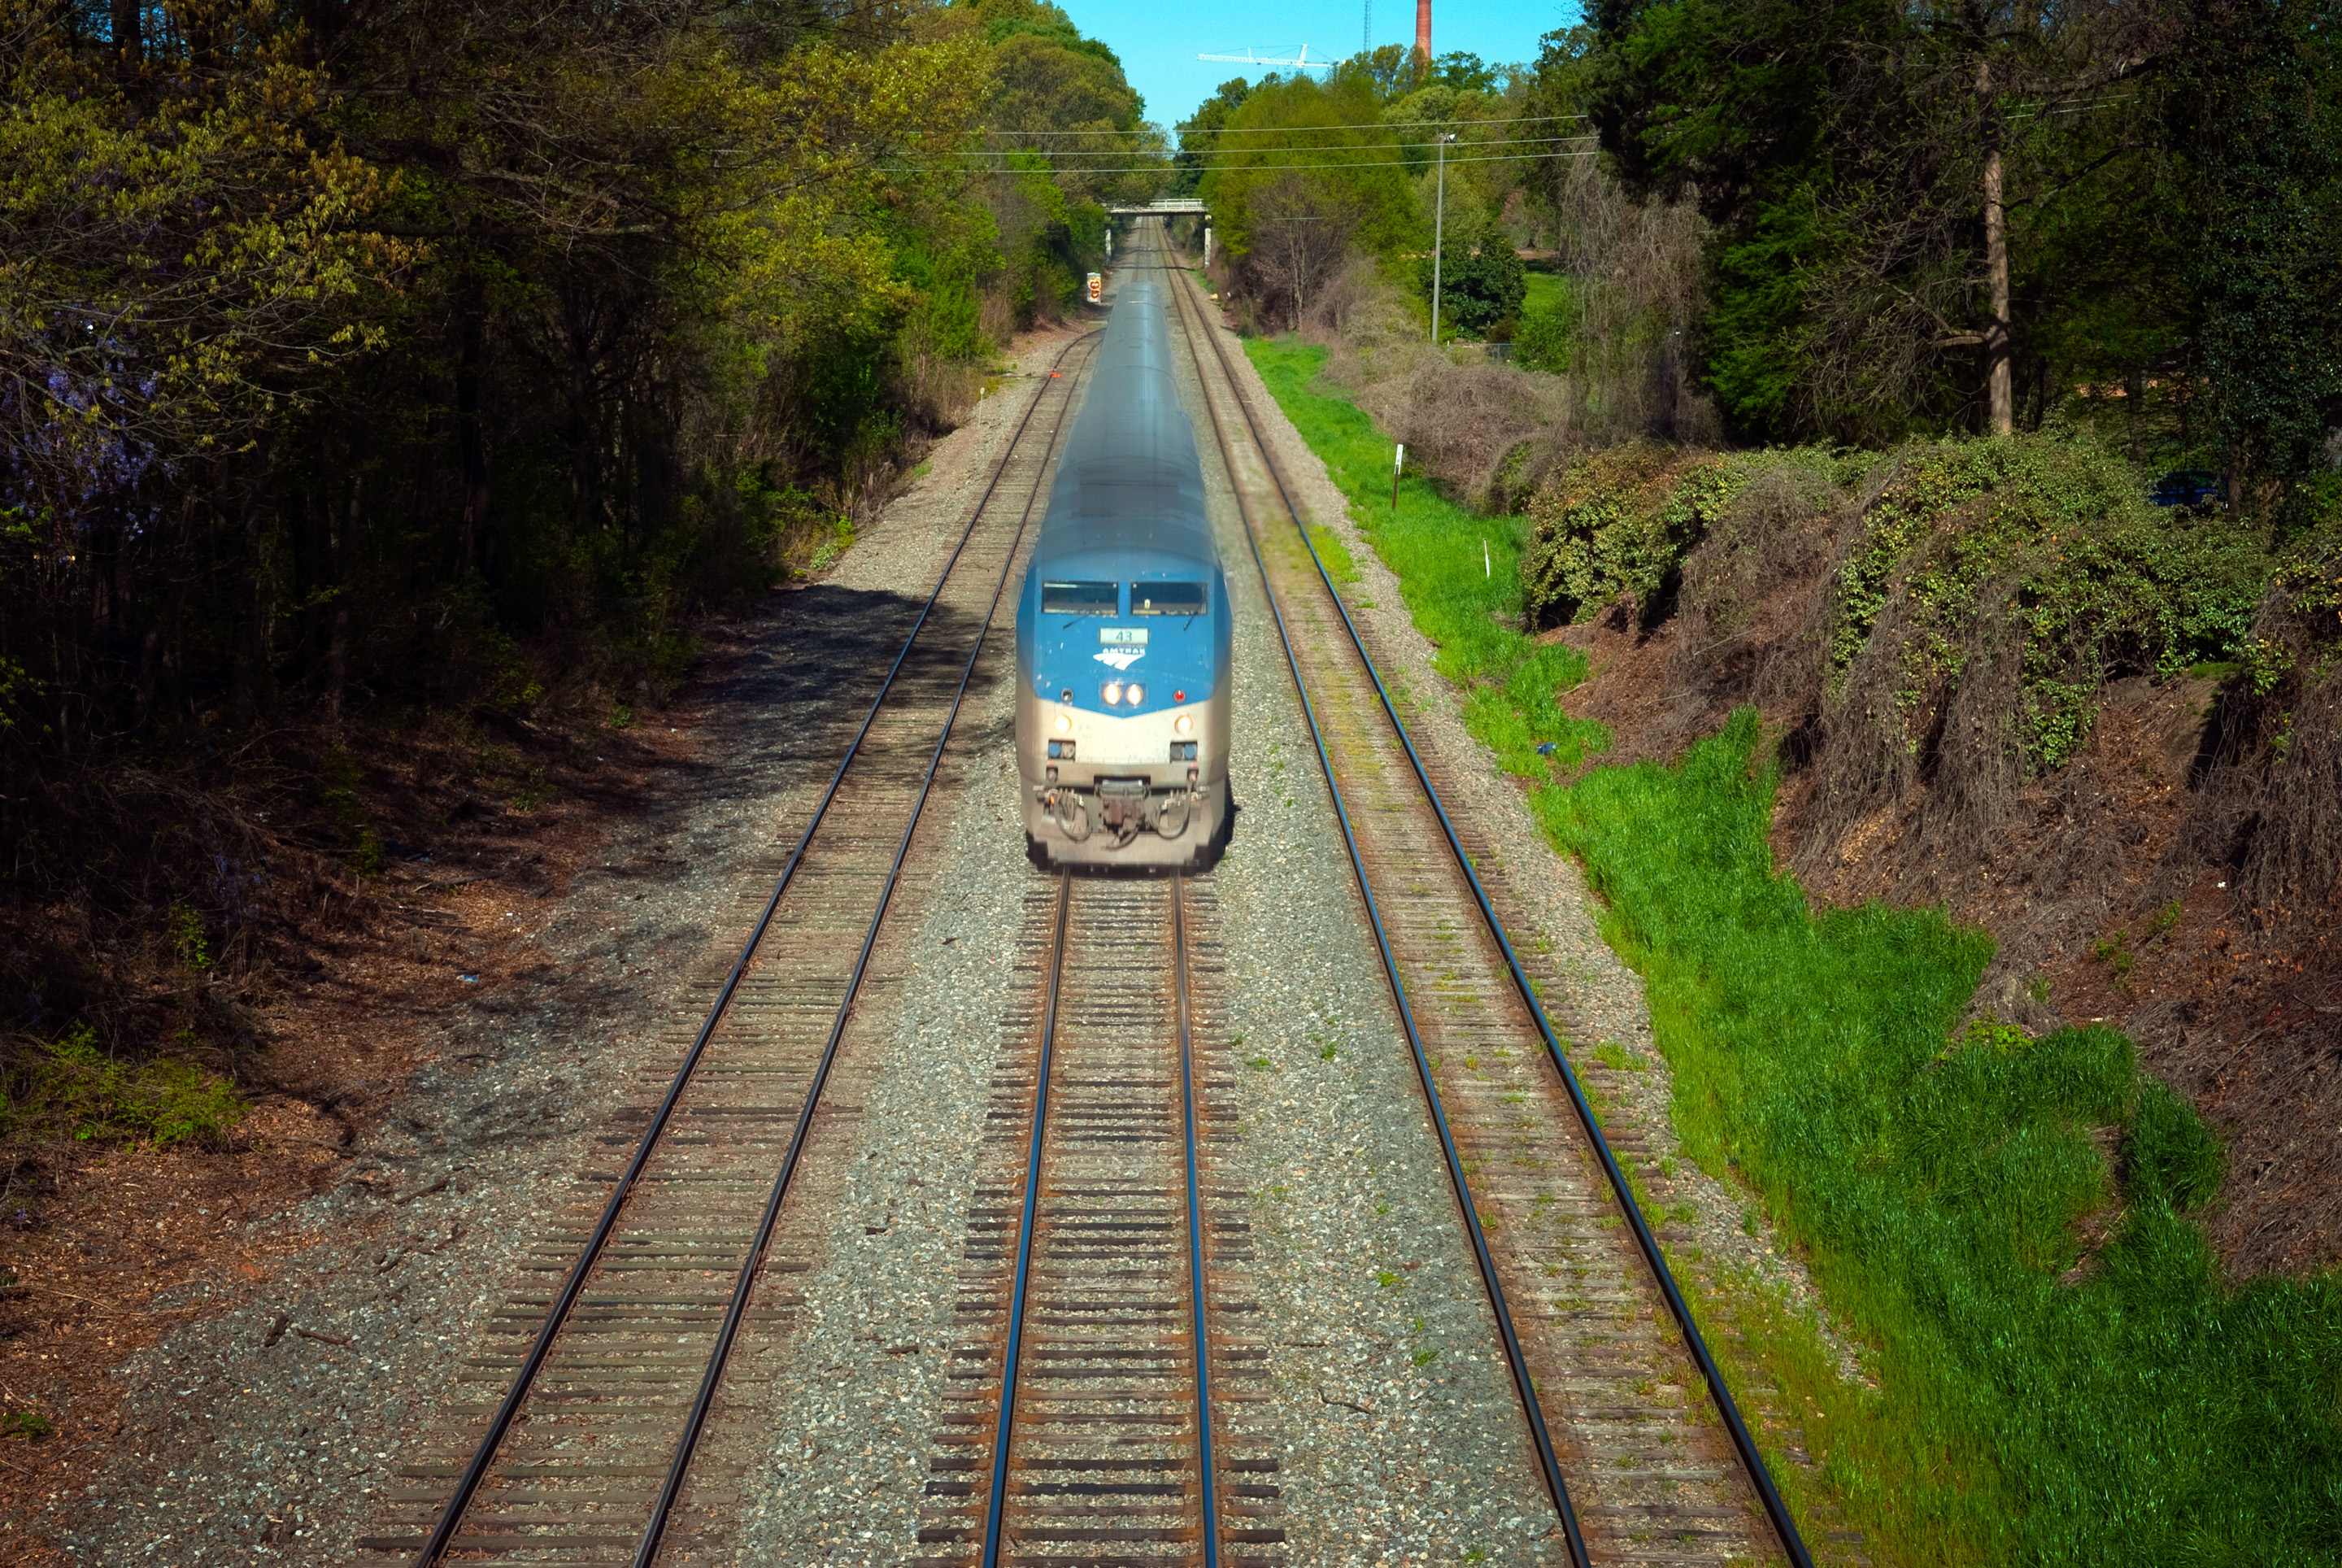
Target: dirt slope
(2107, 883)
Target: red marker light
(1178, 696)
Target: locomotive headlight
(1113, 692)
(1063, 724)
(1184, 723)
(1138, 694)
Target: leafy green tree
(1285, 227)
(1059, 108)
(1884, 184)
(2261, 118)
(1482, 283)
(1392, 70)
(1200, 133)
(1463, 73)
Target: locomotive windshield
(1080, 598)
(1167, 599)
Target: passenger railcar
(1122, 625)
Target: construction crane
(1301, 60)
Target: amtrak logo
(1120, 659)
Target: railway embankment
(1976, 1251)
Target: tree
(1391, 70)
(1065, 97)
(1463, 73)
(2261, 119)
(1200, 135)
(1297, 236)
(1874, 175)
(1481, 282)
(1349, 174)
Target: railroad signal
(1098, 288)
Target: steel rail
(1195, 1229)
(1548, 1462)
(996, 1510)
(443, 1532)
(720, 1354)
(1753, 1461)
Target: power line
(1381, 126)
(1261, 168)
(1261, 130)
(1226, 152)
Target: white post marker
(1207, 245)
(1488, 569)
(1398, 461)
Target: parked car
(2197, 489)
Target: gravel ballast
(258, 1441)
(1398, 1431)
(271, 1429)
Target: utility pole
(1438, 207)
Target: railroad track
(619, 1359)
(1645, 1454)
(1096, 1414)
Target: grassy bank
(2056, 1372)
(2085, 1404)
(1460, 573)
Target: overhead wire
(1227, 158)
(1264, 168)
(1241, 130)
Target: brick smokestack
(1423, 31)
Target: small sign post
(1398, 461)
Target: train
(1123, 629)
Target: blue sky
(1158, 43)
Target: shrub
(69, 1086)
(1618, 524)
(1547, 338)
(2047, 538)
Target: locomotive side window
(1080, 598)
(1167, 599)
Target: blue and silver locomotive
(1122, 626)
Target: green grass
(70, 1087)
(2026, 1397)
(2143, 1412)
(1465, 602)
(1546, 293)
